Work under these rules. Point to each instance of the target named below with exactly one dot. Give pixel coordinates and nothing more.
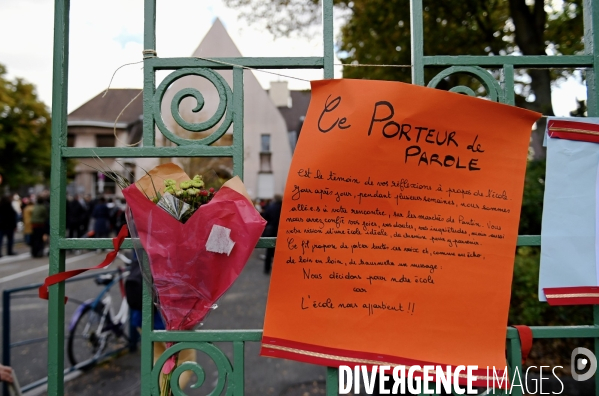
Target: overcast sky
(107, 34)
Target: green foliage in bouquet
(180, 201)
(191, 193)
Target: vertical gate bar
(237, 108)
(332, 381)
(57, 196)
(508, 84)
(149, 74)
(596, 344)
(515, 362)
(591, 38)
(238, 368)
(327, 37)
(147, 326)
(149, 140)
(5, 334)
(417, 41)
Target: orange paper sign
(398, 230)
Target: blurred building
(95, 124)
(293, 106)
(272, 121)
(267, 152)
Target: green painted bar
(238, 122)
(529, 240)
(256, 335)
(147, 348)
(150, 25)
(266, 242)
(149, 133)
(566, 61)
(106, 243)
(148, 152)
(327, 38)
(229, 63)
(596, 342)
(558, 332)
(332, 381)
(95, 243)
(207, 336)
(508, 84)
(60, 78)
(591, 38)
(417, 41)
(515, 364)
(591, 41)
(238, 382)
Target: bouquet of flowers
(197, 242)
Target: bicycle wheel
(87, 340)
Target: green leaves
(24, 134)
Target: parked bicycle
(96, 327)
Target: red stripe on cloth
(579, 295)
(525, 334)
(57, 278)
(334, 357)
(572, 130)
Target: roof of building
(105, 110)
(300, 100)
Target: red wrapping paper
(186, 277)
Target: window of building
(265, 144)
(70, 140)
(265, 164)
(105, 141)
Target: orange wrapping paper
(398, 228)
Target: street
(242, 307)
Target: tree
(24, 134)
(378, 32)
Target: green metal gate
(231, 373)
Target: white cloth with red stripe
(569, 229)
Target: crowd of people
(85, 217)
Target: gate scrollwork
(222, 112)
(494, 90)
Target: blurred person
(75, 217)
(88, 203)
(39, 224)
(26, 211)
(101, 216)
(8, 224)
(272, 214)
(16, 205)
(117, 216)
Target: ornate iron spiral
(225, 97)
(492, 86)
(223, 366)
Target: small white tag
(219, 240)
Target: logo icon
(583, 359)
